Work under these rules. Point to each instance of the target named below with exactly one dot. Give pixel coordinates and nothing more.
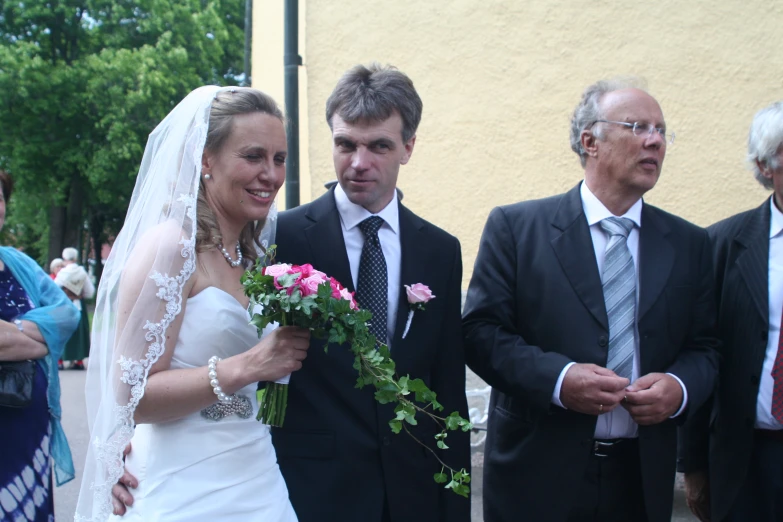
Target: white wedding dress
(195, 469)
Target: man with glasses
(591, 314)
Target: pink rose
(418, 293)
(276, 270)
(309, 285)
(348, 296)
(305, 270)
(336, 288)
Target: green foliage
(346, 325)
(83, 83)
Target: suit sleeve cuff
(684, 397)
(559, 384)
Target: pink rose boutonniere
(418, 296)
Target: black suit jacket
(741, 257)
(535, 303)
(336, 450)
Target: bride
(174, 363)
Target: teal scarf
(56, 318)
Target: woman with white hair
(55, 266)
(78, 347)
(72, 279)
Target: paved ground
(75, 425)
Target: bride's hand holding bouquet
(277, 355)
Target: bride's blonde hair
(227, 104)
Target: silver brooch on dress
(239, 405)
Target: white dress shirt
(389, 236)
(617, 423)
(764, 418)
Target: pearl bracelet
(213, 380)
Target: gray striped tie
(619, 285)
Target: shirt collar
(595, 211)
(352, 214)
(776, 219)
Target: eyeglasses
(643, 129)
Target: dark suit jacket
(536, 303)
(336, 450)
(741, 256)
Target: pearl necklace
(229, 260)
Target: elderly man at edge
(732, 454)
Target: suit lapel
(574, 249)
(753, 263)
(656, 259)
(325, 237)
(411, 245)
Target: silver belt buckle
(239, 406)
(599, 446)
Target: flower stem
(275, 396)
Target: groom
(337, 453)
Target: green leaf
(287, 280)
(396, 425)
(453, 421)
(442, 445)
(324, 291)
(440, 478)
(260, 321)
(385, 396)
(462, 490)
(417, 386)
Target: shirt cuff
(684, 396)
(559, 384)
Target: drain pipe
(291, 63)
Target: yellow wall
(499, 80)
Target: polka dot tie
(372, 287)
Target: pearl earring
(207, 177)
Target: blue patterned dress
(25, 466)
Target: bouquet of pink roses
(291, 295)
(302, 296)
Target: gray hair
(55, 264)
(589, 110)
(764, 141)
(372, 93)
(70, 254)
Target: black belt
(776, 435)
(612, 448)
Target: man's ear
(764, 169)
(588, 141)
(408, 150)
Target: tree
(82, 84)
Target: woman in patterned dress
(36, 319)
